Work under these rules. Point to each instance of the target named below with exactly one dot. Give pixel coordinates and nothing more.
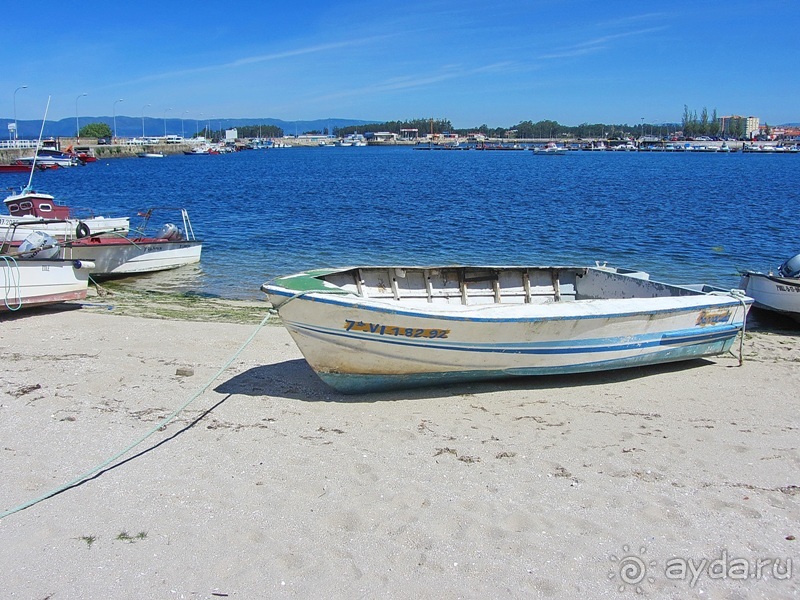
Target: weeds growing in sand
(89, 539)
(125, 537)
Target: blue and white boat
(376, 328)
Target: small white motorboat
(550, 148)
(778, 292)
(382, 327)
(33, 275)
(169, 248)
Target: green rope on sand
(159, 426)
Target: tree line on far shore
(522, 130)
(691, 125)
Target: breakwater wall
(101, 152)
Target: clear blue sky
(493, 62)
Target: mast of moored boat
(38, 145)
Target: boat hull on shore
(30, 282)
(778, 292)
(378, 328)
(773, 292)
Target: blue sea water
(685, 218)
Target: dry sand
(271, 485)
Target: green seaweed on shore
(121, 300)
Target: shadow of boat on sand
(294, 379)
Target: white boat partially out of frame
(778, 292)
(35, 282)
(378, 328)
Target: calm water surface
(685, 218)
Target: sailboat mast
(38, 145)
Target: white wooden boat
(778, 292)
(151, 155)
(377, 328)
(30, 211)
(34, 282)
(171, 247)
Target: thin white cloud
(596, 44)
(415, 82)
(251, 60)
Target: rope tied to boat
(12, 282)
(162, 424)
(740, 296)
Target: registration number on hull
(410, 332)
(713, 317)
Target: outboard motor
(791, 268)
(168, 232)
(38, 245)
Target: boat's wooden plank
(556, 285)
(428, 285)
(359, 283)
(526, 283)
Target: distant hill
(132, 126)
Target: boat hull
(358, 344)
(28, 283)
(777, 294)
(113, 258)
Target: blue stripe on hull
(362, 383)
(553, 347)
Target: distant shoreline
(8, 155)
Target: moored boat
(171, 247)
(50, 157)
(777, 292)
(29, 206)
(377, 328)
(550, 148)
(19, 167)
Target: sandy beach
(678, 481)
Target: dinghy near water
(376, 328)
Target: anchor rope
(740, 296)
(163, 423)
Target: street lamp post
(183, 130)
(77, 123)
(114, 111)
(145, 106)
(22, 87)
(165, 123)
